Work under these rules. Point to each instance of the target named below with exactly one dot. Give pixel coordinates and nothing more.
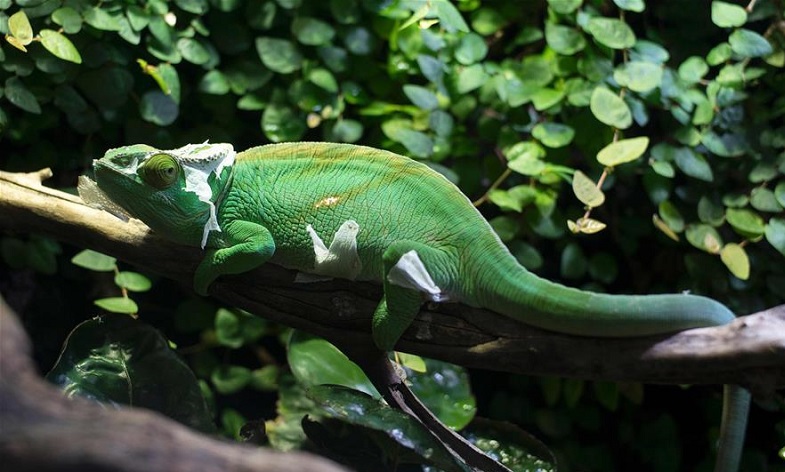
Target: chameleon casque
(353, 212)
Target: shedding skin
(394, 221)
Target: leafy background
(674, 108)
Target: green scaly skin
(379, 208)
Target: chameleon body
(337, 210)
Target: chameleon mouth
(96, 198)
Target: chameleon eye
(160, 171)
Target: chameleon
(333, 210)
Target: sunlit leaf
(624, 150)
(727, 15)
(20, 29)
(735, 259)
(94, 261)
(586, 190)
(611, 32)
(117, 305)
(748, 43)
(610, 109)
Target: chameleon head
(172, 191)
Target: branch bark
(749, 352)
(35, 417)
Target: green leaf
(345, 131)
(719, 54)
(215, 82)
(639, 76)
(648, 51)
(19, 95)
(99, 18)
(693, 164)
(564, 40)
(117, 305)
(487, 21)
(553, 135)
(421, 96)
(19, 27)
(573, 264)
(279, 55)
(311, 31)
(631, 5)
(735, 259)
(449, 16)
(440, 380)
(622, 151)
(704, 237)
(564, 7)
(323, 78)
(169, 81)
(280, 123)
(693, 69)
(193, 51)
(663, 168)
(197, 7)
(234, 328)
(471, 49)
(671, 216)
(748, 43)
(393, 429)
(763, 199)
(725, 145)
(230, 379)
(411, 361)
(526, 158)
(117, 360)
(416, 142)
(610, 109)
(470, 78)
(779, 193)
(775, 234)
(158, 108)
(746, 222)
(514, 448)
(586, 190)
(95, 261)
(132, 281)
(727, 15)
(611, 32)
(710, 212)
(545, 98)
(314, 361)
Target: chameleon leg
(250, 245)
(407, 284)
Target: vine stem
(494, 186)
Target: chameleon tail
(521, 295)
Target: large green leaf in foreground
(117, 360)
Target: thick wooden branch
(750, 351)
(42, 430)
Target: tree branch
(35, 418)
(749, 352)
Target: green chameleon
(388, 219)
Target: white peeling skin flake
(341, 258)
(410, 272)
